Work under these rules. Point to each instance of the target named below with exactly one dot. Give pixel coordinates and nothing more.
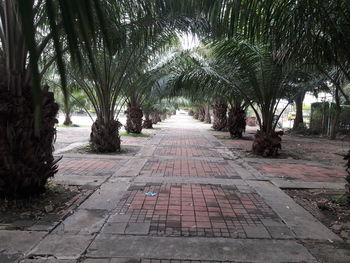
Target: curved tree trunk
(220, 118)
(236, 122)
(134, 119)
(335, 121)
(104, 135)
(26, 161)
(147, 123)
(299, 121)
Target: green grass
(341, 199)
(134, 134)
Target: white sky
(188, 40)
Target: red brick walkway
(194, 210)
(303, 172)
(83, 167)
(218, 169)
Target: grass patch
(341, 199)
(134, 134)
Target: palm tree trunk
(147, 123)
(220, 118)
(67, 119)
(299, 121)
(134, 119)
(26, 161)
(207, 115)
(201, 114)
(236, 121)
(104, 135)
(335, 121)
(347, 178)
(267, 142)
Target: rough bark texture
(134, 119)
(299, 121)
(207, 115)
(347, 178)
(236, 122)
(155, 118)
(26, 161)
(267, 143)
(220, 118)
(333, 132)
(147, 123)
(201, 114)
(104, 136)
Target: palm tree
(26, 160)
(103, 81)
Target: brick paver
(191, 151)
(215, 169)
(184, 261)
(95, 167)
(194, 210)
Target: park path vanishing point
(183, 197)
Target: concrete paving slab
(6, 258)
(131, 168)
(65, 246)
(137, 228)
(19, 242)
(107, 196)
(280, 232)
(114, 228)
(307, 185)
(301, 222)
(111, 260)
(217, 249)
(83, 222)
(256, 232)
(38, 260)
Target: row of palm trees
(254, 51)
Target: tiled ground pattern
(195, 210)
(94, 167)
(303, 172)
(184, 141)
(183, 261)
(202, 168)
(186, 151)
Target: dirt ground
(44, 210)
(328, 206)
